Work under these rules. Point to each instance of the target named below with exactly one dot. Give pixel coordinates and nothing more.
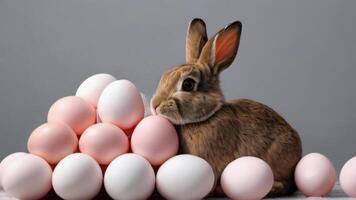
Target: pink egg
(315, 175)
(155, 138)
(27, 178)
(52, 141)
(73, 111)
(103, 142)
(121, 104)
(247, 178)
(348, 177)
(7, 161)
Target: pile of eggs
(104, 135)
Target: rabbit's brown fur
(221, 131)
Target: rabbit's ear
(195, 40)
(220, 51)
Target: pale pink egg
(92, 87)
(156, 139)
(121, 104)
(315, 175)
(52, 141)
(103, 142)
(27, 178)
(73, 111)
(7, 161)
(348, 177)
(247, 178)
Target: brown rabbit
(220, 131)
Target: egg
(129, 176)
(348, 177)
(156, 139)
(7, 161)
(91, 89)
(121, 104)
(77, 176)
(315, 175)
(52, 141)
(73, 111)
(247, 177)
(103, 142)
(186, 177)
(27, 177)
(146, 105)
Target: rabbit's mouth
(170, 111)
(180, 111)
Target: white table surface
(337, 193)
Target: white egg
(5, 196)
(121, 104)
(77, 176)
(146, 105)
(186, 177)
(91, 89)
(247, 178)
(7, 161)
(27, 177)
(129, 176)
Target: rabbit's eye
(188, 84)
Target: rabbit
(220, 131)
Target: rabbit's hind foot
(281, 188)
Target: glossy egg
(156, 139)
(121, 104)
(247, 178)
(7, 161)
(73, 111)
(315, 175)
(348, 177)
(103, 142)
(27, 177)
(52, 141)
(91, 89)
(77, 176)
(186, 177)
(129, 176)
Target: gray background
(296, 56)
